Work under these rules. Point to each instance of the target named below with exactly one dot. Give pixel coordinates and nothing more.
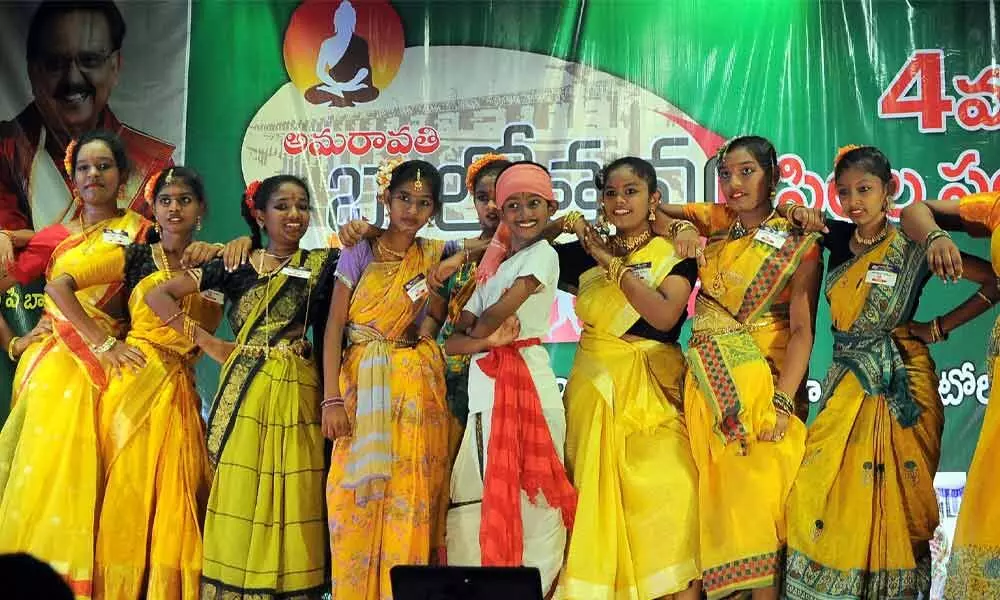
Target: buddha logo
(356, 97)
(339, 54)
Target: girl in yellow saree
(265, 532)
(150, 434)
(747, 359)
(863, 507)
(627, 446)
(975, 553)
(49, 465)
(384, 396)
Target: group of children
(658, 473)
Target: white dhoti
(544, 532)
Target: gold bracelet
(783, 403)
(570, 219)
(933, 236)
(10, 349)
(106, 345)
(985, 298)
(615, 266)
(678, 226)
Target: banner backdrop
(72, 80)
(328, 89)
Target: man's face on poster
(73, 75)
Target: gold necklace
(160, 256)
(871, 241)
(627, 245)
(387, 251)
(260, 265)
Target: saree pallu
(404, 525)
(736, 352)
(628, 452)
(156, 474)
(863, 508)
(265, 531)
(974, 569)
(56, 414)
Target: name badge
(882, 274)
(416, 288)
(772, 237)
(117, 237)
(214, 296)
(643, 271)
(296, 272)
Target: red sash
(521, 456)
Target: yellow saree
(974, 570)
(50, 473)
(627, 451)
(863, 507)
(151, 439)
(400, 522)
(265, 532)
(736, 351)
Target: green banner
(328, 89)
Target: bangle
(465, 256)
(678, 226)
(790, 212)
(933, 236)
(614, 270)
(173, 317)
(106, 345)
(10, 348)
(985, 298)
(332, 401)
(783, 403)
(570, 219)
(937, 333)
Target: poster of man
(69, 67)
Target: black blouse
(574, 262)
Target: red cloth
(32, 261)
(521, 456)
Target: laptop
(465, 583)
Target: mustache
(68, 89)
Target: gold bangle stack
(616, 270)
(783, 403)
(937, 334)
(106, 345)
(679, 225)
(570, 219)
(10, 349)
(935, 235)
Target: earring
(197, 224)
(157, 228)
(652, 214)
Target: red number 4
(917, 90)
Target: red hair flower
(477, 166)
(150, 188)
(251, 191)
